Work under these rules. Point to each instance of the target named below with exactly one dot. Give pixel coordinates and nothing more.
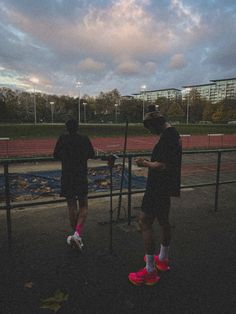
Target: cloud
(129, 67)
(91, 65)
(116, 34)
(150, 67)
(122, 29)
(116, 44)
(223, 57)
(190, 19)
(177, 62)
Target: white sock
(163, 252)
(150, 265)
(76, 234)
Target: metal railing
(6, 163)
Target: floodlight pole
(116, 105)
(187, 118)
(187, 113)
(34, 80)
(52, 109)
(79, 86)
(143, 89)
(35, 113)
(85, 119)
(79, 107)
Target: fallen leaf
(53, 306)
(54, 303)
(29, 284)
(60, 296)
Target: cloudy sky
(50, 45)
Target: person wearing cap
(163, 181)
(74, 150)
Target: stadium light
(187, 91)
(85, 104)
(79, 84)
(143, 89)
(35, 81)
(52, 109)
(116, 106)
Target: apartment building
(152, 95)
(215, 91)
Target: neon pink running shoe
(161, 265)
(143, 277)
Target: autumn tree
(105, 104)
(163, 104)
(208, 111)
(9, 101)
(195, 104)
(225, 111)
(3, 108)
(131, 109)
(175, 112)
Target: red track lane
(44, 147)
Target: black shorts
(72, 186)
(158, 206)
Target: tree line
(110, 107)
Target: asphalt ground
(201, 280)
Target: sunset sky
(49, 45)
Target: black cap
(153, 117)
(72, 125)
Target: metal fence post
(111, 210)
(129, 188)
(8, 204)
(217, 180)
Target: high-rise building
(152, 95)
(215, 91)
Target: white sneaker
(76, 242)
(68, 240)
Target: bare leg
(83, 211)
(73, 211)
(165, 234)
(145, 224)
(165, 243)
(77, 217)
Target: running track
(44, 147)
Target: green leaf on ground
(54, 303)
(53, 306)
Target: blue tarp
(31, 185)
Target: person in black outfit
(74, 150)
(163, 181)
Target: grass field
(21, 131)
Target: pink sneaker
(161, 265)
(143, 277)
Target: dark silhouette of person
(73, 150)
(163, 181)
